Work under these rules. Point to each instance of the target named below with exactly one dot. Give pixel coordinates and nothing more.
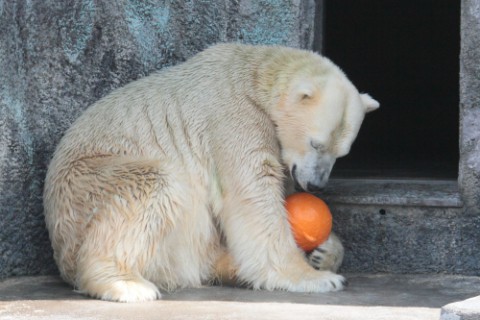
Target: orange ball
(310, 220)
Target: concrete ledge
(373, 297)
(396, 192)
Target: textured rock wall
(469, 169)
(57, 57)
(399, 239)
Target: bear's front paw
(307, 280)
(331, 282)
(328, 255)
(320, 281)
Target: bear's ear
(369, 103)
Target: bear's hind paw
(129, 291)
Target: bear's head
(317, 120)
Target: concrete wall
(57, 57)
(469, 169)
(399, 239)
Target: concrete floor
(372, 297)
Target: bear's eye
(317, 145)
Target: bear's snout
(311, 173)
(313, 182)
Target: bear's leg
(107, 282)
(260, 240)
(265, 255)
(328, 255)
(133, 208)
(110, 262)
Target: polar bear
(177, 179)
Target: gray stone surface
(463, 310)
(469, 169)
(416, 193)
(372, 297)
(397, 239)
(57, 57)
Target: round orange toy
(310, 220)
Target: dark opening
(405, 54)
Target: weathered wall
(57, 57)
(469, 169)
(400, 239)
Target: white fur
(161, 180)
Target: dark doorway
(406, 55)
